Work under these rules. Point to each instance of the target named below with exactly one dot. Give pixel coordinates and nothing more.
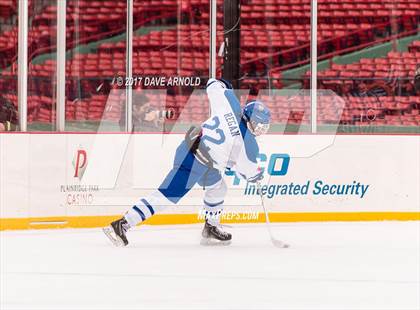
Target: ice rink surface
(371, 265)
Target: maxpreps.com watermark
(156, 81)
(231, 215)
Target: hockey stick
(274, 241)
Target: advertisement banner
(74, 175)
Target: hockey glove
(226, 84)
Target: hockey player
(225, 141)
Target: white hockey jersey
(227, 138)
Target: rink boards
(86, 180)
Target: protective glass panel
(42, 48)
(8, 65)
(96, 65)
(170, 61)
(265, 48)
(367, 54)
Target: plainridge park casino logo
(79, 194)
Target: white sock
(146, 208)
(212, 212)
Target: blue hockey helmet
(257, 117)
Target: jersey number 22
(219, 132)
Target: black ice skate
(116, 232)
(214, 235)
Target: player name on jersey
(319, 187)
(232, 124)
